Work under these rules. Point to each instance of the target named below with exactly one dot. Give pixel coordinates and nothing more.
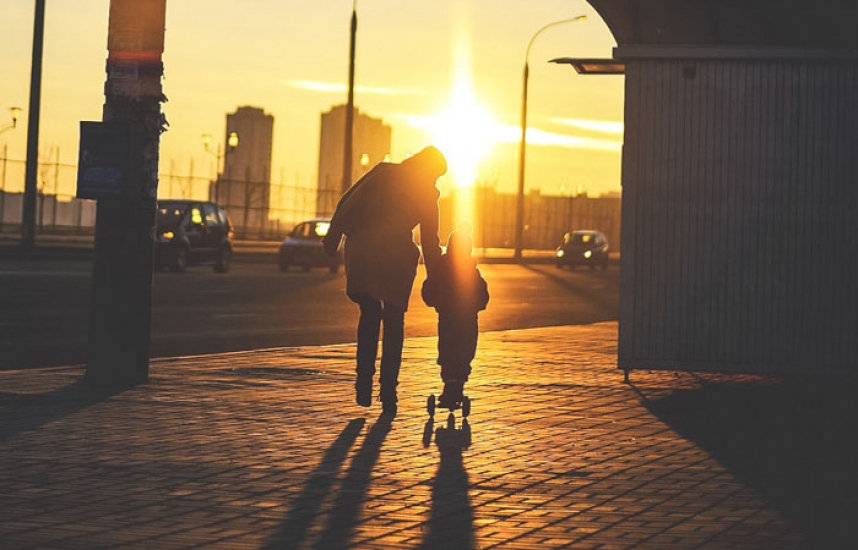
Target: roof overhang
(821, 24)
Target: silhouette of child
(458, 293)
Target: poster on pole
(104, 159)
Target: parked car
(583, 247)
(303, 247)
(192, 232)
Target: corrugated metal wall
(740, 227)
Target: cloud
(508, 133)
(535, 136)
(603, 126)
(340, 88)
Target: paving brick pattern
(266, 450)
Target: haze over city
(448, 73)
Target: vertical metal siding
(631, 158)
(739, 222)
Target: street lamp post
(220, 154)
(11, 126)
(28, 213)
(15, 112)
(350, 107)
(217, 154)
(519, 206)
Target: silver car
(303, 247)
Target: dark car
(303, 247)
(583, 247)
(192, 232)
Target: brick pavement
(265, 450)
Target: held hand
(427, 292)
(330, 245)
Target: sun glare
(463, 131)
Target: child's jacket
(458, 293)
(456, 288)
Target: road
(44, 307)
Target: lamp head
(15, 112)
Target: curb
(250, 254)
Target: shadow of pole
(451, 522)
(306, 507)
(25, 412)
(600, 302)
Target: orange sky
(423, 67)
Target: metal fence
(266, 211)
(546, 218)
(256, 214)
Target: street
(44, 307)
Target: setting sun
(463, 131)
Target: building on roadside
(370, 145)
(739, 171)
(244, 187)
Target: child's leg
(468, 334)
(457, 345)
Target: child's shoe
(452, 394)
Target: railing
(263, 211)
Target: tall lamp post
(350, 107)
(28, 213)
(220, 154)
(519, 206)
(231, 143)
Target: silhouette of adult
(378, 215)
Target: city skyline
(471, 60)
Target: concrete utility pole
(28, 214)
(120, 323)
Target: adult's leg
(391, 353)
(367, 346)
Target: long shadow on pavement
(341, 524)
(451, 523)
(21, 412)
(306, 506)
(793, 441)
(601, 303)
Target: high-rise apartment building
(244, 187)
(370, 145)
